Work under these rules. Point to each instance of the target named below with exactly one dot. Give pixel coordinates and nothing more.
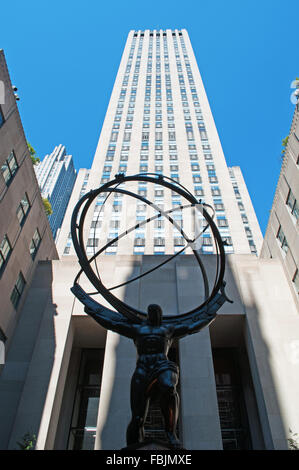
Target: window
(115, 243)
(9, 168)
(86, 401)
(213, 179)
(199, 192)
(23, 209)
(139, 241)
(1, 117)
(252, 246)
(178, 241)
(216, 191)
(195, 167)
(34, 244)
(96, 224)
(196, 178)
(5, 250)
(17, 290)
(293, 204)
(92, 242)
(296, 281)
(159, 241)
(227, 241)
(281, 237)
(222, 222)
(114, 136)
(159, 223)
(248, 231)
(207, 241)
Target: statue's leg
(139, 408)
(169, 402)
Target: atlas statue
(155, 376)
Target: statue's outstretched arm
(203, 317)
(107, 318)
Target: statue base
(150, 444)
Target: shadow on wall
(250, 288)
(120, 356)
(260, 292)
(26, 375)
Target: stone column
(199, 407)
(114, 408)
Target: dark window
(227, 241)
(86, 404)
(207, 241)
(1, 117)
(199, 192)
(216, 192)
(17, 290)
(34, 243)
(178, 241)
(281, 237)
(92, 242)
(9, 168)
(231, 404)
(293, 204)
(222, 223)
(5, 250)
(159, 241)
(139, 241)
(23, 209)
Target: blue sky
(63, 56)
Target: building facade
(238, 379)
(25, 236)
(282, 234)
(159, 120)
(56, 177)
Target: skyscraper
(159, 120)
(56, 176)
(238, 379)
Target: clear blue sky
(63, 57)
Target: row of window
(244, 217)
(158, 241)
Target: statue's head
(154, 315)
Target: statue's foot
(173, 440)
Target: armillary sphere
(214, 297)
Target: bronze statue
(155, 375)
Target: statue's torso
(153, 340)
